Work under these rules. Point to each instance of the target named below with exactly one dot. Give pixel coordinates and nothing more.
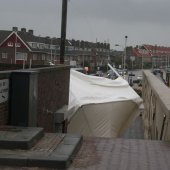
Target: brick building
(149, 55)
(22, 46)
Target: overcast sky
(143, 21)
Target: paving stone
(135, 131)
(12, 137)
(13, 160)
(58, 161)
(52, 151)
(70, 140)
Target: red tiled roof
(150, 50)
(136, 52)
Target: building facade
(23, 47)
(149, 56)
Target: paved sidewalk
(135, 131)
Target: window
(46, 46)
(17, 44)
(41, 46)
(43, 56)
(70, 48)
(57, 47)
(30, 43)
(5, 55)
(48, 57)
(34, 45)
(21, 56)
(34, 57)
(52, 47)
(10, 44)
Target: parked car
(139, 77)
(122, 71)
(99, 73)
(131, 74)
(111, 74)
(155, 71)
(50, 63)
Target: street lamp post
(117, 45)
(51, 49)
(125, 51)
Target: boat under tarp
(99, 106)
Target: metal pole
(24, 63)
(122, 59)
(142, 61)
(125, 51)
(63, 31)
(15, 45)
(51, 50)
(30, 63)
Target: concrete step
(13, 137)
(52, 151)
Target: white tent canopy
(99, 106)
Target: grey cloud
(124, 10)
(143, 20)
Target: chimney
(23, 29)
(14, 28)
(31, 32)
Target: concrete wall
(156, 116)
(53, 93)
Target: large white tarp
(99, 106)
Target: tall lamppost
(51, 48)
(125, 51)
(117, 45)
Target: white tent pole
(114, 70)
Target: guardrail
(156, 116)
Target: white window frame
(17, 45)
(4, 55)
(53, 47)
(41, 46)
(21, 56)
(43, 56)
(34, 45)
(10, 44)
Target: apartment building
(152, 55)
(22, 46)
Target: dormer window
(17, 45)
(41, 45)
(34, 45)
(10, 44)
